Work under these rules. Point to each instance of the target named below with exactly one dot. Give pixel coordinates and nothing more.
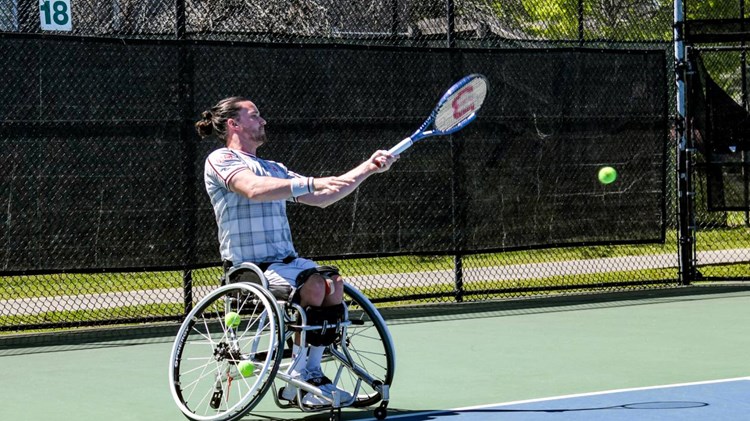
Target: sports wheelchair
(235, 345)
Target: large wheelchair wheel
(227, 353)
(363, 359)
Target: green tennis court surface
(458, 356)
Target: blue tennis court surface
(715, 400)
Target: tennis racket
(456, 109)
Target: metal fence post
(457, 195)
(394, 18)
(685, 192)
(580, 23)
(745, 154)
(451, 23)
(185, 71)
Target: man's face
(249, 124)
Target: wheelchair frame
(210, 358)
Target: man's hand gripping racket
(456, 109)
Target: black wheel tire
(380, 413)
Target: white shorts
(286, 273)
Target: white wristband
(302, 186)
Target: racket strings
(461, 105)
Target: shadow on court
(714, 400)
(656, 405)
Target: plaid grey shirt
(249, 231)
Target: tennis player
(249, 196)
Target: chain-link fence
(107, 220)
(390, 22)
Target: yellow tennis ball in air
(232, 319)
(607, 175)
(246, 368)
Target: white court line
(554, 398)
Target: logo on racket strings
(463, 103)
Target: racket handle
(401, 146)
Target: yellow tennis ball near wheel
(607, 175)
(232, 320)
(246, 368)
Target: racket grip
(401, 146)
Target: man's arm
(329, 190)
(267, 189)
(260, 188)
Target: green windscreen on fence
(101, 170)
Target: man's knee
(319, 286)
(312, 292)
(334, 291)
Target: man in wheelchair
(249, 197)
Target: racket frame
(422, 132)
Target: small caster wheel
(380, 413)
